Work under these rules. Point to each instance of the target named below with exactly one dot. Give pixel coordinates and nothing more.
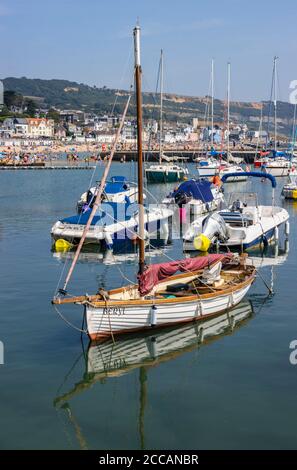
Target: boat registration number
(118, 311)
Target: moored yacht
(118, 189)
(244, 224)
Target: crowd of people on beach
(33, 155)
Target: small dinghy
(244, 224)
(118, 189)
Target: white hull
(233, 169)
(234, 179)
(267, 220)
(131, 351)
(128, 228)
(290, 192)
(207, 171)
(277, 171)
(249, 236)
(102, 321)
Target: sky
(90, 41)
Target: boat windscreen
(247, 198)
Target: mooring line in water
(270, 290)
(68, 322)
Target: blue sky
(90, 41)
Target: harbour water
(181, 390)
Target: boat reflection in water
(107, 360)
(107, 257)
(131, 351)
(110, 359)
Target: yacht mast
(275, 98)
(161, 106)
(228, 108)
(212, 98)
(136, 34)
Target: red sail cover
(158, 272)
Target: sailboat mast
(228, 108)
(136, 34)
(275, 99)
(161, 106)
(212, 98)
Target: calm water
(237, 390)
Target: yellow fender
(202, 243)
(62, 245)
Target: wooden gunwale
(97, 301)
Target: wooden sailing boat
(207, 286)
(166, 171)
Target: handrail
(254, 174)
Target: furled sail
(155, 273)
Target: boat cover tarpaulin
(198, 189)
(214, 153)
(156, 273)
(118, 184)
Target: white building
(40, 127)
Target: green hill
(64, 94)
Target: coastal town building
(27, 127)
(40, 127)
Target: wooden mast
(136, 34)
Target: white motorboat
(208, 167)
(113, 224)
(226, 169)
(118, 190)
(277, 167)
(243, 225)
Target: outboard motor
(182, 198)
(213, 226)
